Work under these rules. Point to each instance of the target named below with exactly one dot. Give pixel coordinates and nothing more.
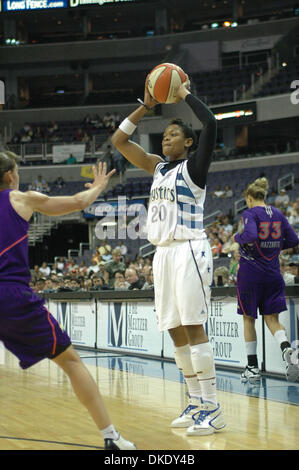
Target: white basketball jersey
(175, 209)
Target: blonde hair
(258, 190)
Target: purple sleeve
(290, 236)
(249, 235)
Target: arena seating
(281, 82)
(217, 86)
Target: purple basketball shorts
(267, 297)
(27, 329)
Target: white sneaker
(207, 421)
(185, 419)
(251, 373)
(292, 369)
(119, 444)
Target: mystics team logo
(117, 324)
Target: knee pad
(203, 360)
(183, 361)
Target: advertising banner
(62, 152)
(128, 326)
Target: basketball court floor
(39, 410)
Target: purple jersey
(266, 233)
(14, 262)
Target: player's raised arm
(199, 163)
(61, 205)
(133, 152)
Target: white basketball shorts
(183, 273)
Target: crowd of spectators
(51, 132)
(109, 269)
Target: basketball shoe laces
(202, 414)
(189, 408)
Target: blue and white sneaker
(185, 419)
(207, 421)
(292, 367)
(251, 374)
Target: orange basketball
(163, 82)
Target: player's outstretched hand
(101, 178)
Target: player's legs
(88, 394)
(279, 333)
(251, 372)
(182, 356)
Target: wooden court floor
(39, 411)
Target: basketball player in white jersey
(182, 265)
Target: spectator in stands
(71, 160)
(59, 182)
(218, 192)
(291, 274)
(282, 198)
(271, 198)
(227, 245)
(221, 276)
(149, 278)
(87, 119)
(45, 270)
(115, 265)
(40, 184)
(216, 247)
(97, 283)
(103, 247)
(82, 268)
(234, 264)
(228, 191)
(97, 121)
(120, 281)
(35, 274)
(122, 248)
(40, 285)
(108, 158)
(52, 127)
(72, 265)
(79, 135)
(93, 268)
(119, 162)
(60, 264)
(133, 280)
(228, 228)
(106, 256)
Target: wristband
(127, 127)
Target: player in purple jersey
(260, 284)
(27, 329)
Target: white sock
(110, 432)
(251, 347)
(203, 363)
(193, 386)
(280, 336)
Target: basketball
(163, 82)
